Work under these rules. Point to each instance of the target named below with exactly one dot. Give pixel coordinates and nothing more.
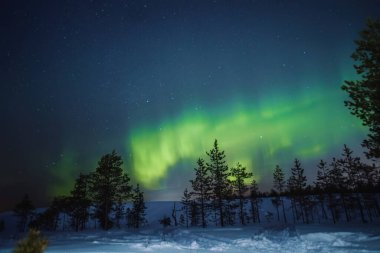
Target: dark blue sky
(80, 78)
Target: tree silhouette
(50, 218)
(279, 185)
(186, 206)
(322, 185)
(255, 201)
(239, 175)
(364, 94)
(24, 211)
(351, 168)
(136, 217)
(79, 203)
(297, 186)
(220, 183)
(109, 185)
(201, 188)
(337, 184)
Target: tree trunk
(241, 211)
(283, 210)
(360, 207)
(220, 202)
(342, 196)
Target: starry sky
(158, 81)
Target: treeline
(345, 188)
(100, 195)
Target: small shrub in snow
(34, 243)
(165, 222)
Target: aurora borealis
(158, 81)
(259, 137)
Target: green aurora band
(307, 126)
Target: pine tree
(276, 202)
(118, 212)
(240, 174)
(255, 201)
(49, 219)
(51, 216)
(364, 93)
(202, 188)
(109, 185)
(24, 211)
(279, 184)
(220, 183)
(194, 213)
(337, 184)
(79, 203)
(137, 214)
(63, 208)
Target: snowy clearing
(264, 237)
(305, 238)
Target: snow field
(243, 239)
(268, 237)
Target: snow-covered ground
(306, 238)
(264, 237)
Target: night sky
(158, 81)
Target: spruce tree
(364, 93)
(297, 186)
(352, 168)
(239, 175)
(322, 184)
(50, 218)
(24, 211)
(279, 185)
(186, 206)
(322, 180)
(220, 183)
(109, 185)
(337, 184)
(297, 178)
(202, 188)
(336, 180)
